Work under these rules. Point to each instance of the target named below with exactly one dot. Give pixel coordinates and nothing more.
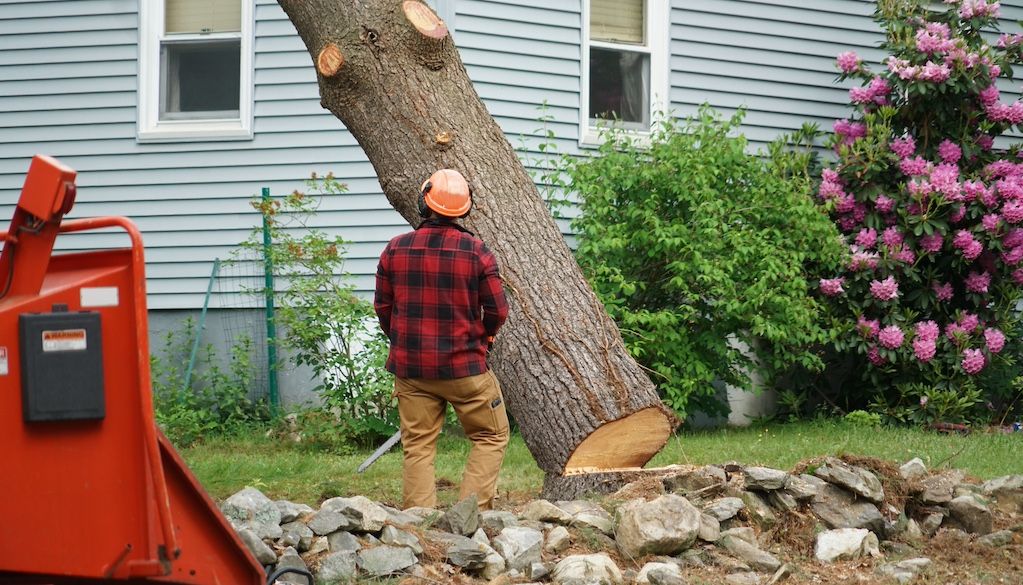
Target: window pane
(203, 16)
(200, 79)
(620, 86)
(617, 21)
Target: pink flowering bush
(931, 212)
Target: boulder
(710, 528)
(252, 510)
(289, 559)
(764, 478)
(939, 489)
(691, 481)
(759, 510)
(327, 521)
(259, 549)
(660, 574)
(481, 537)
(667, 525)
(494, 521)
(838, 508)
(520, 546)
(971, 514)
(760, 560)
(467, 553)
(558, 539)
(544, 511)
(385, 560)
(913, 469)
(782, 500)
(724, 508)
(400, 518)
(904, 571)
(996, 539)
(363, 514)
(342, 541)
(742, 578)
(855, 479)
(596, 569)
(397, 537)
(804, 487)
(462, 518)
(338, 567)
(319, 545)
(537, 571)
(291, 511)
(587, 515)
(1007, 493)
(303, 533)
(931, 523)
(744, 532)
(845, 544)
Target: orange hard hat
(447, 193)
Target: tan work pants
(478, 402)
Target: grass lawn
(225, 465)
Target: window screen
(200, 79)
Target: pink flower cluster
(930, 71)
(931, 243)
(925, 343)
(832, 286)
(980, 8)
(942, 291)
(875, 92)
(994, 339)
(1006, 40)
(949, 151)
(904, 147)
(850, 131)
(973, 361)
(934, 38)
(978, 282)
(884, 290)
(849, 62)
(868, 328)
(866, 238)
(891, 337)
(967, 244)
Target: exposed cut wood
(425, 21)
(330, 60)
(627, 442)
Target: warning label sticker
(3, 361)
(64, 340)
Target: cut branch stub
(426, 22)
(330, 60)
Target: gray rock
(724, 508)
(363, 514)
(587, 515)
(783, 501)
(845, 544)
(996, 539)
(493, 565)
(544, 511)
(400, 518)
(660, 574)
(764, 478)
(710, 528)
(385, 560)
(339, 567)
(667, 525)
(759, 510)
(327, 521)
(302, 532)
(467, 553)
(780, 575)
(972, 514)
(558, 539)
(693, 557)
(1007, 492)
(481, 537)
(760, 560)
(397, 537)
(912, 532)
(289, 559)
(904, 571)
(319, 545)
(913, 469)
(291, 511)
(898, 549)
(726, 563)
(462, 518)
(428, 516)
(742, 532)
(596, 569)
(931, 523)
(520, 546)
(342, 541)
(838, 508)
(291, 539)
(259, 549)
(494, 521)
(538, 571)
(804, 487)
(855, 479)
(939, 489)
(696, 480)
(742, 579)
(250, 509)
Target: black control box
(61, 366)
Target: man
(440, 302)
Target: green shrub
(323, 322)
(703, 253)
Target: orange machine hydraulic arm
(91, 490)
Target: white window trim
(658, 25)
(150, 127)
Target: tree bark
(390, 71)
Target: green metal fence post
(202, 326)
(271, 325)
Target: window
(195, 70)
(625, 63)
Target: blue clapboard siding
(68, 87)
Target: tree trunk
(390, 71)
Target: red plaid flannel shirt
(438, 299)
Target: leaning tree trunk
(390, 71)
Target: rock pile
(702, 517)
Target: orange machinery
(90, 490)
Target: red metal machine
(90, 490)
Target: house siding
(69, 88)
